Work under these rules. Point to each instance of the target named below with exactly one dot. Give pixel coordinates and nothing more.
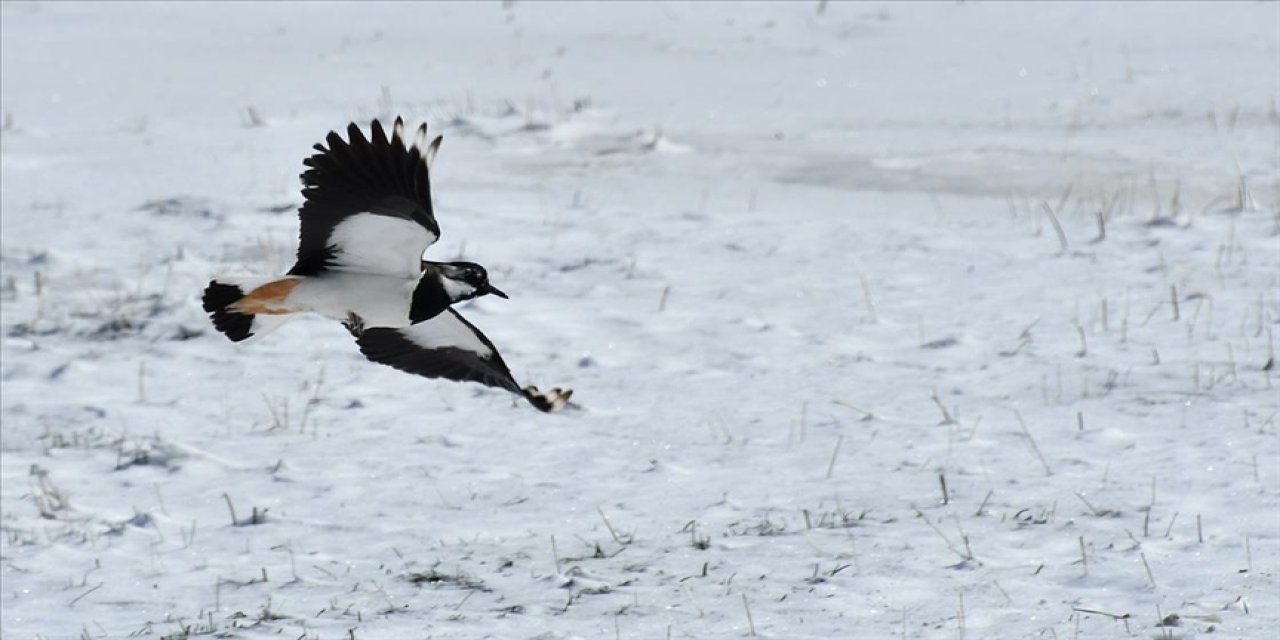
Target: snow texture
(907, 320)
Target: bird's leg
(354, 324)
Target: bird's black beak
(488, 288)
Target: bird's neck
(430, 297)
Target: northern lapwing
(366, 221)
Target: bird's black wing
(368, 203)
(447, 346)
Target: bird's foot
(547, 401)
(354, 324)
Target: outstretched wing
(447, 346)
(368, 204)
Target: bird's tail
(245, 307)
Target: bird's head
(466, 280)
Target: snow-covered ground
(903, 320)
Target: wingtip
(379, 134)
(430, 156)
(354, 133)
(548, 401)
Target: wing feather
(367, 205)
(445, 346)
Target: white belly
(379, 300)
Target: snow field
(889, 321)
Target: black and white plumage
(366, 221)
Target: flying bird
(366, 222)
